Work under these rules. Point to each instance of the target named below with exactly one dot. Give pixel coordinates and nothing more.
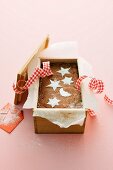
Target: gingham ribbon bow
(39, 72)
(97, 86)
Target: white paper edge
(88, 96)
(32, 97)
(84, 68)
(64, 50)
(57, 115)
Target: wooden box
(42, 123)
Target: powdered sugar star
(54, 84)
(67, 80)
(53, 102)
(64, 71)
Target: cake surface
(58, 90)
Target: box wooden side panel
(43, 45)
(44, 126)
(22, 75)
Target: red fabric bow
(39, 72)
(97, 86)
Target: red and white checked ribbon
(97, 86)
(39, 72)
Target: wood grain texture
(44, 126)
(22, 74)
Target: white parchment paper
(62, 117)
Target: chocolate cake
(65, 76)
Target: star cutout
(67, 80)
(53, 102)
(54, 84)
(64, 71)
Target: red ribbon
(97, 86)
(39, 72)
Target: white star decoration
(67, 80)
(64, 71)
(54, 84)
(53, 102)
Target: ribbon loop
(97, 86)
(79, 81)
(39, 72)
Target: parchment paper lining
(62, 117)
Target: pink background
(23, 24)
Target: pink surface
(23, 25)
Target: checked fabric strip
(109, 101)
(39, 72)
(97, 86)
